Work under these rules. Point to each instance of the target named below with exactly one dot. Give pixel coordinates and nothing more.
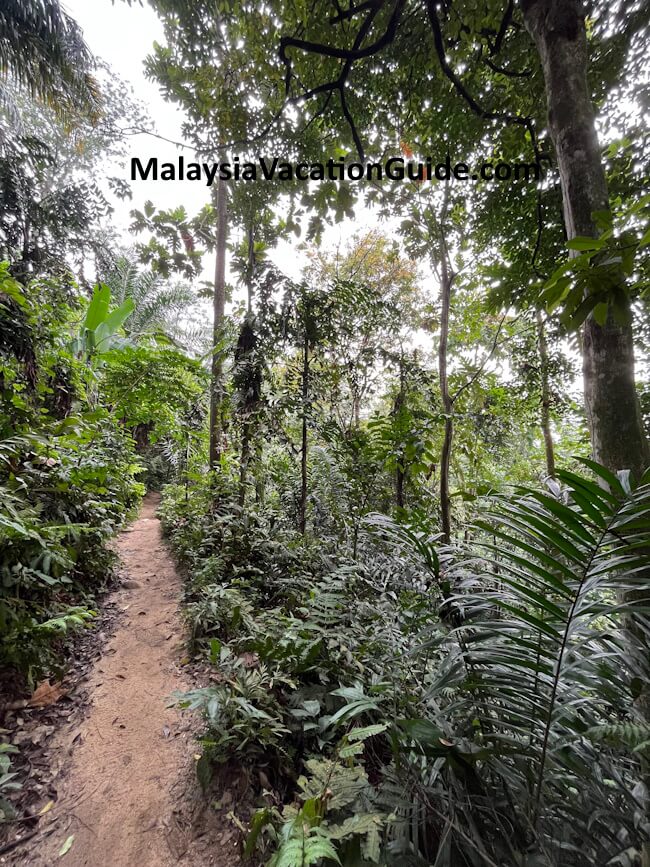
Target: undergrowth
(420, 704)
(67, 482)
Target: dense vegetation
(416, 555)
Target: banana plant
(99, 330)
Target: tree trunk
(545, 414)
(219, 308)
(250, 266)
(400, 478)
(244, 460)
(611, 402)
(400, 471)
(356, 410)
(613, 413)
(260, 481)
(447, 404)
(302, 514)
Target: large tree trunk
(613, 412)
(612, 406)
(219, 309)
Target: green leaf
(608, 477)
(215, 651)
(582, 243)
(600, 313)
(113, 321)
(353, 709)
(260, 820)
(98, 307)
(204, 772)
(362, 734)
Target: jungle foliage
(421, 602)
(418, 703)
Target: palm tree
(42, 49)
(158, 305)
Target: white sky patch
(123, 36)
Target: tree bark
(400, 470)
(545, 414)
(260, 480)
(447, 403)
(244, 460)
(613, 413)
(356, 410)
(219, 309)
(302, 514)
(250, 265)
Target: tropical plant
(43, 49)
(156, 303)
(100, 326)
(554, 647)
(465, 689)
(67, 474)
(8, 782)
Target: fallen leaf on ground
(66, 846)
(250, 659)
(46, 693)
(34, 736)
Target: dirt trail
(124, 792)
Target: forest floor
(126, 793)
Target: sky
(123, 36)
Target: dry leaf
(249, 658)
(46, 693)
(66, 846)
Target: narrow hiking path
(127, 790)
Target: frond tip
(42, 49)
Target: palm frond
(556, 638)
(158, 305)
(42, 49)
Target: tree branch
(346, 53)
(503, 29)
(449, 73)
(508, 72)
(480, 369)
(347, 14)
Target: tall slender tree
(219, 313)
(482, 83)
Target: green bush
(423, 703)
(68, 480)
